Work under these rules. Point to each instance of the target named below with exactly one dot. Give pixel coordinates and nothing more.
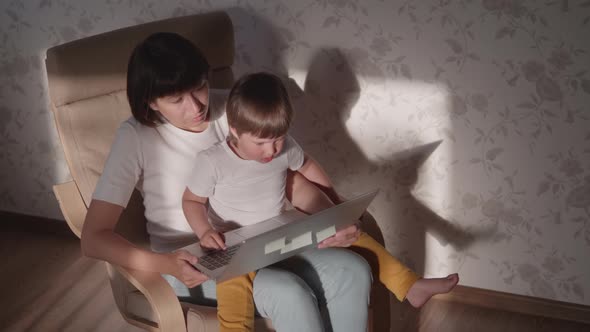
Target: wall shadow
(323, 106)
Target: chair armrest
(158, 293)
(201, 318)
(72, 205)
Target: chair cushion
(87, 128)
(87, 82)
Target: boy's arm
(306, 197)
(312, 171)
(195, 212)
(316, 174)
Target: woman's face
(186, 110)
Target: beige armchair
(87, 80)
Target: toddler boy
(243, 180)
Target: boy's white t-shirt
(243, 192)
(157, 161)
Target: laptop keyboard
(218, 258)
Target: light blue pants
(319, 290)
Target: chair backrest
(87, 81)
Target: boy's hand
(343, 238)
(212, 239)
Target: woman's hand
(184, 269)
(212, 239)
(343, 238)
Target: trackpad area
(232, 238)
(298, 242)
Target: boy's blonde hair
(259, 104)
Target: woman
(175, 117)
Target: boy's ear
(154, 106)
(233, 131)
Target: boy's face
(262, 150)
(186, 110)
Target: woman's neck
(198, 129)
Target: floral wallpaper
(470, 116)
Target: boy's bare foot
(423, 289)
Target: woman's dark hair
(164, 63)
(260, 105)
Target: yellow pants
(235, 302)
(392, 273)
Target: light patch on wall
(414, 114)
(412, 133)
(298, 75)
(407, 136)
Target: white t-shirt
(157, 161)
(243, 192)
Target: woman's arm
(100, 241)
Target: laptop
(253, 247)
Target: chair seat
(198, 318)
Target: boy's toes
(452, 279)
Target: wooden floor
(46, 285)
